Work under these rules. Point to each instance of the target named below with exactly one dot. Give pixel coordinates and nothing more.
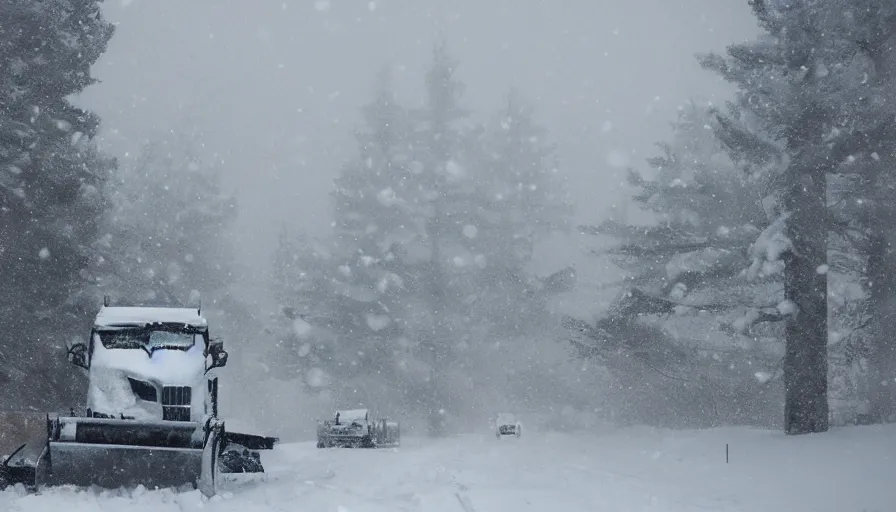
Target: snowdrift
(637, 469)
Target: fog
(276, 89)
(276, 85)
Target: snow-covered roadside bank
(630, 470)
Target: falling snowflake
(762, 377)
(387, 197)
(617, 159)
(470, 231)
(316, 378)
(44, 253)
(377, 322)
(455, 169)
(301, 328)
(787, 307)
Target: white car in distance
(506, 424)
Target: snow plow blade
(122, 466)
(23, 439)
(17, 428)
(114, 453)
(337, 441)
(252, 441)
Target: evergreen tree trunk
(806, 332)
(439, 334)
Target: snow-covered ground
(846, 470)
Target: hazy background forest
(309, 68)
(433, 211)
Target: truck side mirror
(218, 355)
(77, 355)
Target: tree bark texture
(806, 332)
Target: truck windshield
(148, 339)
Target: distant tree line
(425, 269)
(762, 292)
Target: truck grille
(176, 402)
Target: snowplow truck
(151, 411)
(354, 429)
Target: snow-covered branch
(638, 303)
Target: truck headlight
(143, 390)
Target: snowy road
(848, 470)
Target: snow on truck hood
(171, 367)
(110, 392)
(122, 316)
(352, 415)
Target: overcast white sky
(276, 85)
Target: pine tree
(806, 101)
(445, 150)
(487, 195)
(165, 237)
(688, 289)
(778, 72)
(51, 182)
(432, 233)
(520, 197)
(308, 315)
(861, 196)
(367, 288)
(708, 215)
(293, 271)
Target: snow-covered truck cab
(152, 415)
(150, 363)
